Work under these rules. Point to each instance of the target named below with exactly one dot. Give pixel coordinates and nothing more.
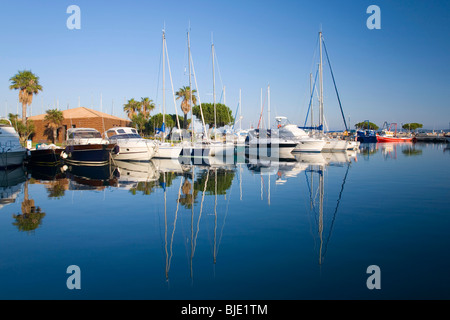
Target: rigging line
(310, 99)
(159, 74)
(218, 68)
(336, 209)
(201, 210)
(174, 227)
(199, 101)
(173, 91)
(335, 87)
(262, 110)
(224, 220)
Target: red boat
(391, 136)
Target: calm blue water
(307, 229)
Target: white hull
(221, 149)
(135, 153)
(353, 145)
(167, 151)
(335, 145)
(12, 158)
(312, 145)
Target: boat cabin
(84, 136)
(122, 133)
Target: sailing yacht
(167, 150)
(331, 144)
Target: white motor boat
(131, 145)
(268, 144)
(305, 143)
(12, 153)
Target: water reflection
(11, 182)
(31, 217)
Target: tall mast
(164, 84)
(214, 90)
(261, 107)
(240, 110)
(311, 92)
(268, 107)
(321, 84)
(190, 86)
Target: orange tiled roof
(81, 112)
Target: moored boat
(305, 143)
(12, 153)
(85, 146)
(131, 145)
(387, 135)
(45, 155)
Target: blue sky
(399, 73)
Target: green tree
(54, 119)
(24, 131)
(132, 108)
(28, 85)
(412, 126)
(185, 94)
(157, 120)
(224, 115)
(147, 106)
(363, 125)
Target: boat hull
(393, 139)
(12, 158)
(45, 156)
(134, 153)
(92, 154)
(335, 145)
(309, 146)
(222, 149)
(167, 151)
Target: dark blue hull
(98, 154)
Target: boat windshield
(126, 136)
(85, 135)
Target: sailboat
(194, 149)
(218, 148)
(167, 150)
(331, 144)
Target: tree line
(372, 126)
(139, 112)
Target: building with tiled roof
(76, 118)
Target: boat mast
(311, 92)
(268, 107)
(240, 111)
(214, 89)
(164, 87)
(190, 87)
(321, 116)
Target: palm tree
(132, 108)
(28, 84)
(185, 94)
(54, 117)
(147, 106)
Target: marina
(312, 163)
